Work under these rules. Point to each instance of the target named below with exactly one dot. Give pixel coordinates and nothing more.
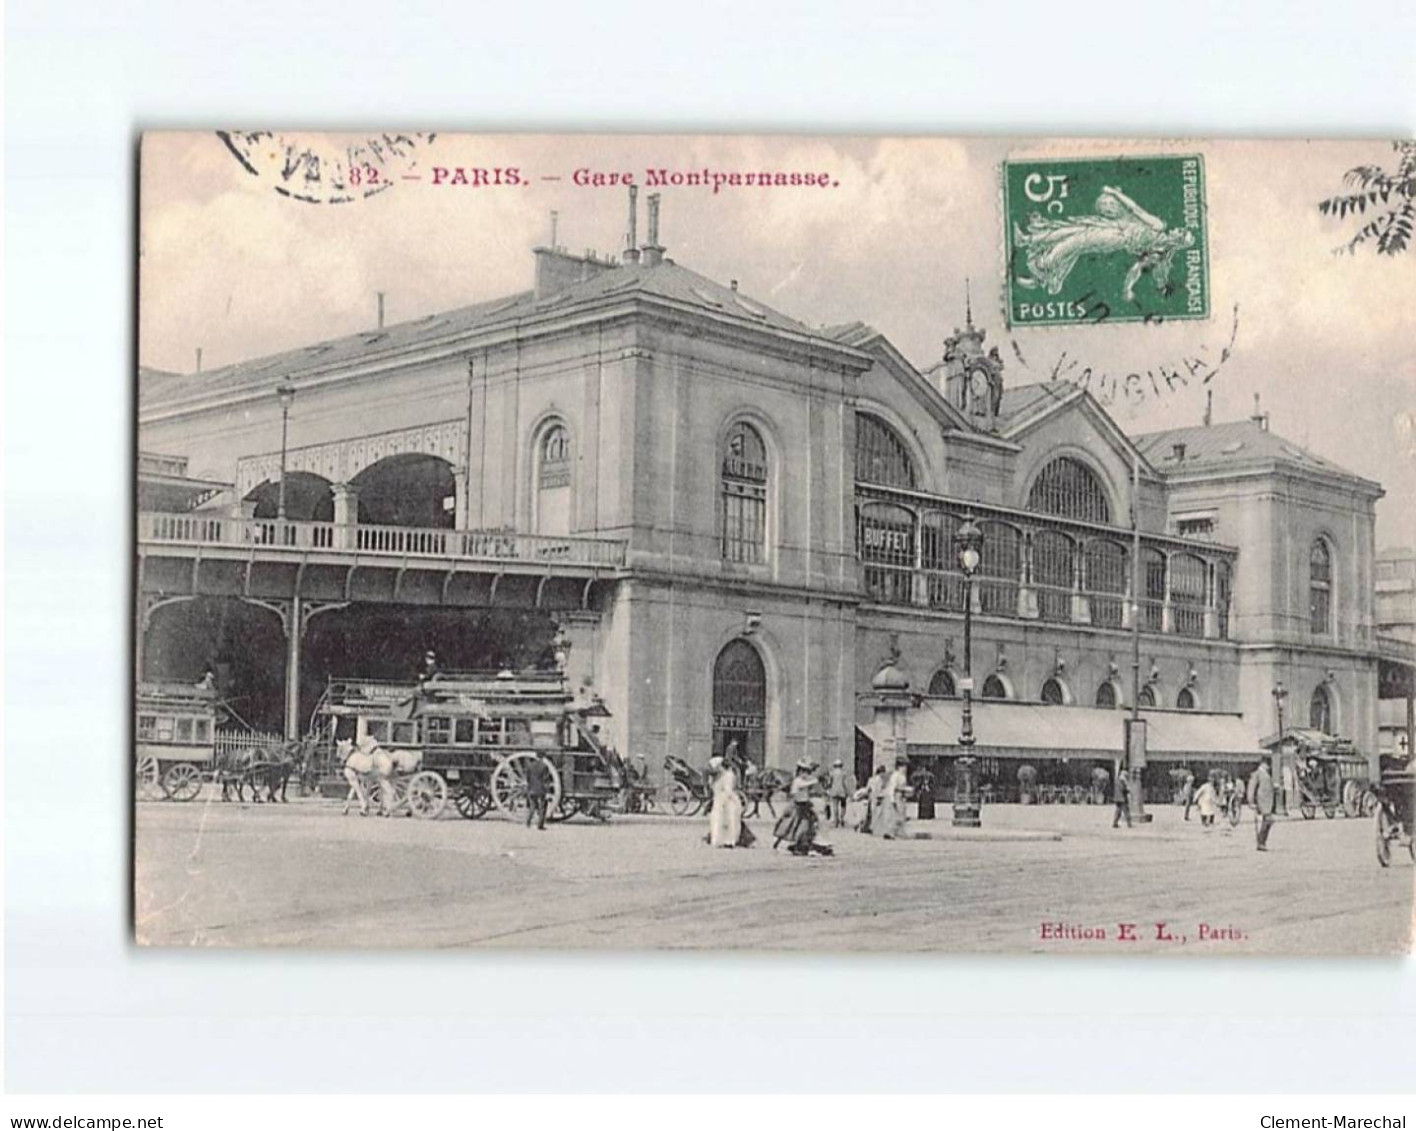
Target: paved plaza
(1043, 879)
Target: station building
(739, 526)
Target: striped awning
(1029, 730)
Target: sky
(233, 267)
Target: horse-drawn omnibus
(175, 733)
(472, 735)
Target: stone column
(892, 710)
(346, 514)
(292, 669)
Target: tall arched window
(1153, 594)
(1320, 587)
(1320, 710)
(1069, 489)
(743, 489)
(942, 684)
(1052, 573)
(937, 556)
(1000, 562)
(881, 456)
(994, 688)
(553, 480)
(740, 701)
(885, 541)
(1106, 582)
(1187, 594)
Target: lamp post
(968, 548)
(1280, 693)
(286, 392)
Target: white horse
(368, 757)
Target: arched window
(1147, 696)
(1069, 489)
(1106, 582)
(881, 456)
(553, 481)
(1185, 701)
(942, 684)
(1320, 587)
(1153, 595)
(943, 578)
(999, 564)
(1053, 693)
(994, 688)
(1053, 559)
(740, 701)
(885, 538)
(743, 489)
(1106, 695)
(1187, 594)
(1320, 710)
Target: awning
(1030, 730)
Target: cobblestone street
(1044, 879)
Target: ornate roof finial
(968, 304)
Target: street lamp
(1280, 693)
(968, 548)
(286, 392)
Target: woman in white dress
(725, 819)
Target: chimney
(631, 243)
(1177, 452)
(381, 309)
(199, 359)
(1259, 418)
(653, 253)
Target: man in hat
(538, 785)
(1263, 798)
(839, 787)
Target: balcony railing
(1039, 568)
(365, 539)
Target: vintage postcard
(775, 543)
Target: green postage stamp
(1113, 239)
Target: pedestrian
(922, 782)
(725, 817)
(798, 825)
(839, 786)
(1262, 798)
(1207, 802)
(875, 799)
(892, 806)
(1187, 792)
(1121, 795)
(538, 784)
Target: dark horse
(270, 767)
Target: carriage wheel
(508, 785)
(473, 801)
(427, 795)
(680, 799)
(1369, 802)
(1385, 833)
(148, 779)
(1309, 810)
(1351, 799)
(182, 782)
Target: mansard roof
(1237, 445)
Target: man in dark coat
(538, 785)
(1122, 796)
(1262, 797)
(1187, 792)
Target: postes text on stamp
(1117, 239)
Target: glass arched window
(881, 456)
(1107, 577)
(885, 541)
(1001, 560)
(994, 688)
(1320, 587)
(1053, 559)
(1106, 695)
(743, 489)
(1053, 693)
(937, 556)
(1187, 594)
(1069, 489)
(1320, 710)
(1153, 595)
(740, 701)
(1185, 701)
(553, 481)
(942, 684)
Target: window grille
(994, 688)
(1320, 710)
(1187, 595)
(1153, 604)
(881, 456)
(998, 569)
(439, 730)
(1185, 701)
(1069, 489)
(1106, 695)
(1320, 587)
(1107, 576)
(944, 580)
(885, 536)
(942, 684)
(1194, 527)
(1052, 693)
(1052, 568)
(744, 495)
(1223, 586)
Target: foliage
(1391, 195)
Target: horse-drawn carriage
(468, 738)
(1395, 801)
(175, 739)
(690, 790)
(1330, 776)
